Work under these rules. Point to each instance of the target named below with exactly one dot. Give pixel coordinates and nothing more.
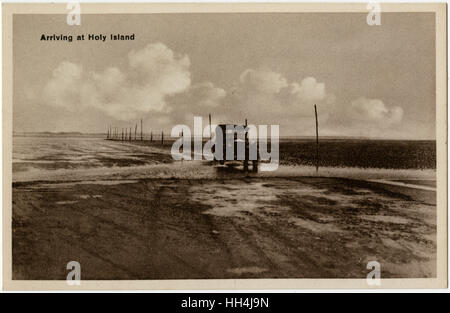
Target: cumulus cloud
(374, 111)
(364, 112)
(309, 90)
(161, 69)
(264, 95)
(205, 95)
(64, 87)
(262, 81)
(365, 117)
(158, 82)
(155, 73)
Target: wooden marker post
(246, 148)
(162, 138)
(210, 129)
(142, 134)
(317, 139)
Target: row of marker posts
(113, 133)
(125, 134)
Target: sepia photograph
(248, 146)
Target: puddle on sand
(386, 219)
(403, 184)
(231, 200)
(314, 226)
(66, 202)
(90, 196)
(246, 270)
(237, 198)
(87, 182)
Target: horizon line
(281, 137)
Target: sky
(367, 81)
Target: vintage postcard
(224, 146)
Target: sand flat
(174, 229)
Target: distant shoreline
(80, 134)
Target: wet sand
(271, 227)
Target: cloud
(374, 111)
(64, 87)
(366, 118)
(309, 90)
(157, 85)
(369, 113)
(198, 100)
(161, 69)
(205, 95)
(262, 81)
(266, 96)
(154, 74)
